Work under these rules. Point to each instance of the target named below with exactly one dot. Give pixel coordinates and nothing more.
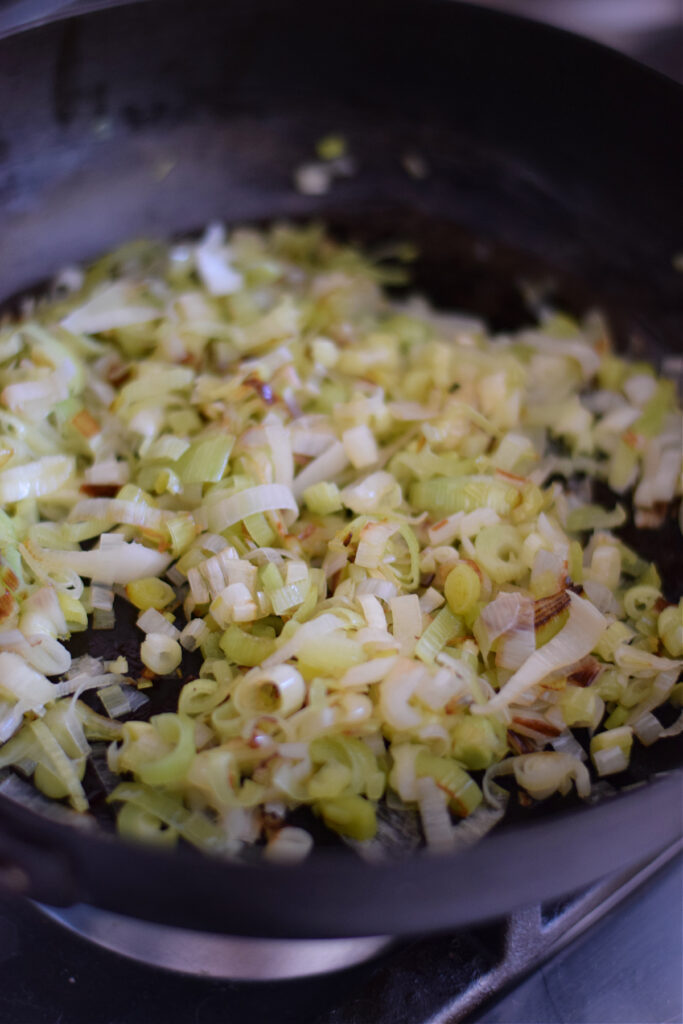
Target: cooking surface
(626, 970)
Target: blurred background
(649, 30)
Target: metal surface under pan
(551, 159)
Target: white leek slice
(122, 563)
(577, 638)
(264, 498)
(326, 466)
(24, 683)
(113, 306)
(36, 479)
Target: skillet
(551, 160)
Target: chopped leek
(205, 461)
(242, 648)
(463, 793)
(611, 751)
(478, 742)
(160, 653)
(150, 593)
(346, 526)
(462, 589)
(351, 816)
(670, 629)
(498, 550)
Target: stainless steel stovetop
(609, 955)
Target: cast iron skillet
(551, 159)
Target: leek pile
(374, 521)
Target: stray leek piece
(611, 751)
(150, 593)
(464, 794)
(351, 816)
(160, 653)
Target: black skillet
(551, 160)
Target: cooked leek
(335, 517)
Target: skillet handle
(28, 869)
